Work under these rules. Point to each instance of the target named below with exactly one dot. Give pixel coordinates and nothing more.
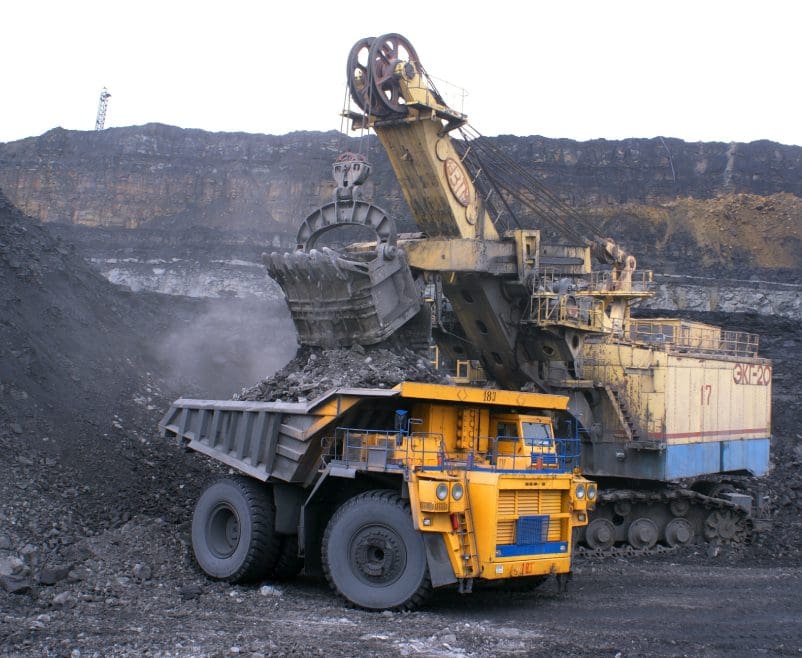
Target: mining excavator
(670, 412)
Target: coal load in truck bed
(314, 371)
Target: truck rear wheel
(373, 557)
(233, 533)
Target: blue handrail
(394, 449)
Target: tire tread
(263, 551)
(389, 496)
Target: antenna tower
(101, 109)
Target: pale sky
(704, 70)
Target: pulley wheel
(358, 77)
(391, 56)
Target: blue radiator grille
(531, 530)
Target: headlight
(580, 491)
(457, 491)
(591, 492)
(442, 491)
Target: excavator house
(671, 413)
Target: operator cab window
(537, 435)
(507, 431)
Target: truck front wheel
(233, 533)
(372, 555)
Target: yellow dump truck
(387, 492)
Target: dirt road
(676, 605)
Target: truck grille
(514, 503)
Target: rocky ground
(95, 506)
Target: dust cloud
(228, 345)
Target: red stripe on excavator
(763, 431)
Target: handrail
(598, 282)
(581, 312)
(681, 335)
(402, 449)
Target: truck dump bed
(266, 440)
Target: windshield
(537, 434)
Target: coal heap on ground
(78, 405)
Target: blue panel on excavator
(693, 459)
(676, 461)
(751, 455)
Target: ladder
(469, 553)
(622, 412)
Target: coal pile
(314, 371)
(94, 505)
(781, 341)
(78, 404)
(86, 371)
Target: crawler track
(628, 522)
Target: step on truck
(388, 493)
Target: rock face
(695, 294)
(160, 175)
(683, 208)
(155, 173)
(621, 171)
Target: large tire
(373, 557)
(233, 530)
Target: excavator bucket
(336, 301)
(339, 299)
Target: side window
(509, 430)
